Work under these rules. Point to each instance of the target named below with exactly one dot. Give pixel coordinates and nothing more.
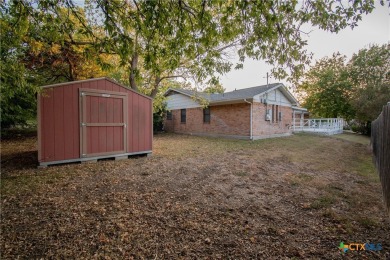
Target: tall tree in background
(41, 48)
(159, 40)
(327, 89)
(369, 72)
(16, 83)
(58, 49)
(214, 89)
(355, 90)
(162, 40)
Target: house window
(280, 116)
(169, 115)
(276, 114)
(268, 116)
(273, 113)
(183, 116)
(206, 115)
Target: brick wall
(265, 128)
(230, 120)
(227, 120)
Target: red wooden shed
(92, 119)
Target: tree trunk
(134, 66)
(133, 71)
(155, 87)
(71, 71)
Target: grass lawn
(354, 137)
(196, 197)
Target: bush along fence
(380, 143)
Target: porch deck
(326, 126)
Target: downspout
(251, 133)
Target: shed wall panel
(150, 123)
(135, 126)
(148, 138)
(94, 85)
(68, 123)
(146, 119)
(130, 124)
(102, 119)
(48, 125)
(110, 119)
(59, 149)
(101, 84)
(60, 121)
(141, 124)
(76, 120)
(148, 130)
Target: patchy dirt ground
(294, 197)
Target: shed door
(103, 122)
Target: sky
(373, 28)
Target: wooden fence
(380, 143)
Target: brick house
(251, 113)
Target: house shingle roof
(245, 93)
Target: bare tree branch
(172, 76)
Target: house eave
(222, 101)
(299, 109)
(285, 91)
(177, 91)
(230, 101)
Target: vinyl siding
(273, 97)
(179, 101)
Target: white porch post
(301, 120)
(293, 120)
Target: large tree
(165, 39)
(216, 88)
(357, 89)
(58, 49)
(369, 72)
(162, 40)
(16, 83)
(158, 40)
(326, 89)
(40, 48)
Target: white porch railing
(319, 125)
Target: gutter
(297, 108)
(251, 132)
